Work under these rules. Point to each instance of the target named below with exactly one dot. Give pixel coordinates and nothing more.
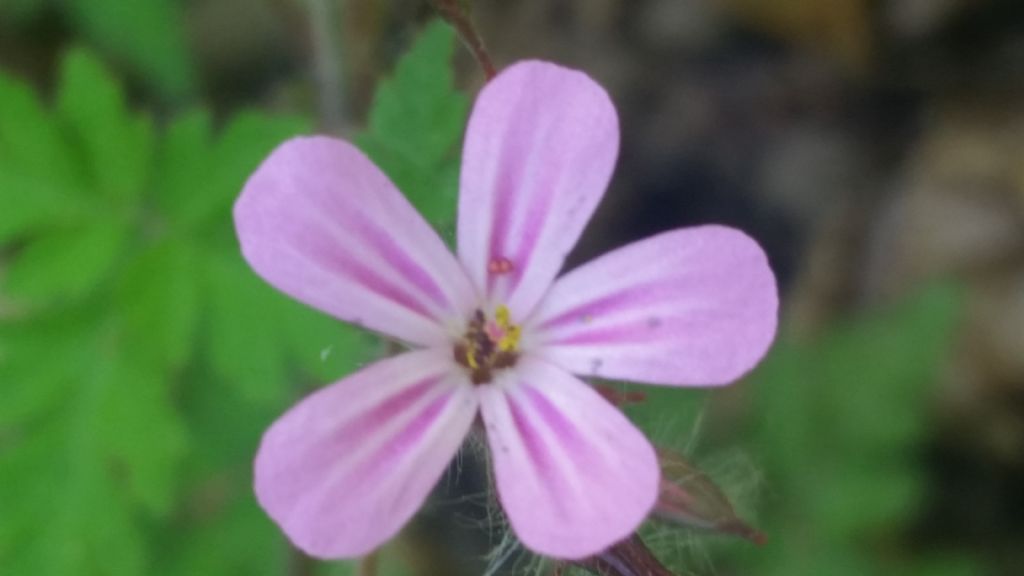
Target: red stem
(453, 12)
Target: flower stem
(323, 22)
(455, 13)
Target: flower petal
(540, 149)
(345, 468)
(687, 307)
(320, 222)
(573, 474)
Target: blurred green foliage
(140, 358)
(837, 431)
(148, 36)
(840, 424)
(127, 308)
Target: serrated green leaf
(39, 178)
(32, 204)
(417, 110)
(158, 302)
(31, 142)
(239, 540)
(37, 361)
(183, 165)
(200, 177)
(66, 511)
(149, 35)
(247, 139)
(416, 121)
(117, 146)
(326, 348)
(245, 348)
(143, 437)
(66, 264)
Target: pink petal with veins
(345, 468)
(573, 474)
(696, 306)
(321, 223)
(540, 149)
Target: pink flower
(492, 333)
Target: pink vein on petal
(392, 253)
(344, 265)
(399, 443)
(556, 421)
(365, 468)
(587, 311)
(388, 409)
(538, 455)
(534, 225)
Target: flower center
(488, 345)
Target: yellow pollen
(509, 340)
(488, 345)
(509, 332)
(503, 317)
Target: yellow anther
(510, 339)
(488, 345)
(503, 317)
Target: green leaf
(880, 368)
(32, 204)
(116, 146)
(416, 122)
(861, 386)
(158, 302)
(63, 505)
(839, 428)
(39, 177)
(246, 140)
(199, 178)
(325, 347)
(258, 337)
(238, 540)
(66, 264)
(149, 35)
(244, 344)
(37, 360)
(183, 165)
(863, 496)
(31, 142)
(144, 439)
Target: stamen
(488, 344)
(510, 340)
(502, 315)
